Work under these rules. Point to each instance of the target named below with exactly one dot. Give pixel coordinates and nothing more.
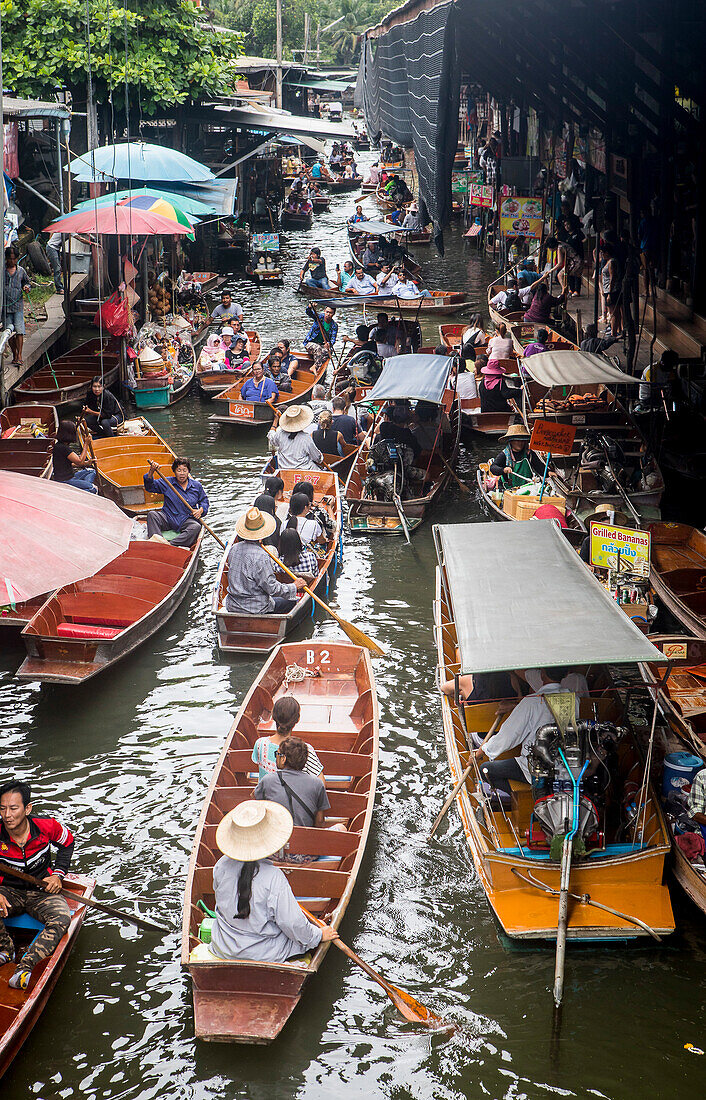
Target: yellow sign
(521, 217)
(620, 548)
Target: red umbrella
(117, 219)
(53, 534)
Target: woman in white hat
(257, 916)
(253, 587)
(514, 464)
(289, 440)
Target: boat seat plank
(239, 761)
(163, 572)
(317, 842)
(306, 880)
(144, 588)
(343, 804)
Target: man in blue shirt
(175, 515)
(321, 337)
(258, 387)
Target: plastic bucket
(679, 770)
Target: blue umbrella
(138, 161)
(184, 201)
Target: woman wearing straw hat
(257, 916)
(289, 440)
(253, 587)
(514, 464)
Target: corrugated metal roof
(33, 108)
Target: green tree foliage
(171, 55)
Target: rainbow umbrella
(118, 220)
(163, 209)
(184, 202)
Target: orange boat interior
(679, 558)
(124, 459)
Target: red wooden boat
(292, 219)
(84, 628)
(339, 184)
(250, 1002)
(259, 415)
(26, 437)
(261, 633)
(67, 379)
(28, 421)
(20, 1009)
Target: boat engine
(365, 368)
(599, 454)
(384, 459)
(585, 749)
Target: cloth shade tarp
(138, 160)
(53, 534)
(217, 193)
(281, 122)
(379, 229)
(417, 377)
(522, 598)
(574, 368)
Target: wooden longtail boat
(320, 202)
(26, 438)
(250, 1002)
(496, 315)
(678, 573)
(214, 380)
(344, 183)
(261, 633)
(356, 234)
(292, 220)
(368, 516)
(387, 203)
(473, 421)
(622, 866)
(162, 392)
(68, 379)
(412, 237)
(21, 421)
(20, 1009)
(265, 277)
(208, 280)
(682, 702)
(495, 506)
(85, 627)
(259, 415)
(524, 334)
(441, 303)
(26, 456)
(123, 460)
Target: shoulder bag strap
(293, 794)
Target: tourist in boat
(372, 256)
(327, 439)
(300, 520)
(289, 361)
(361, 283)
(541, 304)
(275, 370)
(342, 421)
(289, 440)
(175, 515)
(319, 171)
(466, 382)
(514, 463)
(343, 278)
(253, 587)
(384, 336)
(519, 729)
(228, 310)
(374, 174)
(294, 788)
(359, 216)
(397, 216)
(411, 288)
(321, 337)
(267, 503)
(493, 390)
(17, 284)
(297, 557)
(387, 279)
(258, 387)
(318, 402)
(286, 712)
(316, 511)
(473, 337)
(314, 271)
(539, 344)
(508, 300)
(412, 220)
(25, 845)
(102, 411)
(226, 341)
(257, 915)
(70, 465)
(237, 357)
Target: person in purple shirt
(258, 388)
(175, 515)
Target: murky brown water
(126, 761)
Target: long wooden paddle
(354, 633)
(155, 466)
(454, 475)
(449, 801)
(90, 902)
(398, 506)
(405, 1004)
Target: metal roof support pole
(278, 87)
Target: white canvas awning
(280, 122)
(522, 598)
(574, 368)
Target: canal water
(126, 759)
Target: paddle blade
(412, 1010)
(359, 637)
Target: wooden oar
(354, 633)
(155, 466)
(90, 902)
(454, 475)
(405, 1004)
(449, 800)
(398, 506)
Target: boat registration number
(578, 419)
(245, 411)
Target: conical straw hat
(254, 830)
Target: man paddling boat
(175, 515)
(25, 845)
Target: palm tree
(347, 33)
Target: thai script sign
(551, 437)
(521, 217)
(620, 548)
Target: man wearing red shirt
(25, 845)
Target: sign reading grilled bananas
(620, 549)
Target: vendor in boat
(314, 271)
(70, 465)
(394, 425)
(258, 387)
(514, 463)
(321, 337)
(519, 729)
(228, 310)
(25, 845)
(290, 441)
(275, 371)
(175, 515)
(102, 411)
(257, 915)
(253, 586)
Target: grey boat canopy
(521, 597)
(378, 229)
(417, 377)
(574, 368)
